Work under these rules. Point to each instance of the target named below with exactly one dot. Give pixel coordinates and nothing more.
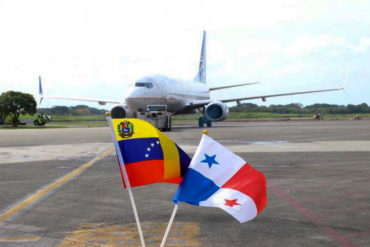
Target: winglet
(40, 90)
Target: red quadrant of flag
(251, 182)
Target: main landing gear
(202, 121)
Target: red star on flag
(231, 203)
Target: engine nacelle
(121, 111)
(216, 111)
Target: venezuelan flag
(148, 154)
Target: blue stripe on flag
(141, 149)
(194, 188)
(184, 160)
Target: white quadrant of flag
(222, 163)
(239, 205)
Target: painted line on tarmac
(20, 239)
(288, 147)
(35, 197)
(47, 152)
(340, 239)
(108, 234)
(10, 155)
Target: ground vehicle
(317, 116)
(41, 120)
(357, 117)
(158, 116)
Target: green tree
(60, 110)
(13, 104)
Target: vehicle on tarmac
(317, 116)
(179, 97)
(41, 120)
(158, 116)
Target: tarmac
(62, 187)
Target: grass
(233, 116)
(100, 120)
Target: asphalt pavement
(62, 187)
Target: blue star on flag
(210, 160)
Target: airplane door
(160, 90)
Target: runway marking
(340, 239)
(46, 190)
(285, 147)
(359, 234)
(21, 239)
(343, 212)
(330, 197)
(75, 151)
(24, 154)
(98, 234)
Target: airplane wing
(199, 103)
(100, 101)
(236, 85)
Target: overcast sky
(97, 49)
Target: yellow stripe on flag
(171, 158)
(141, 129)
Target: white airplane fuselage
(161, 90)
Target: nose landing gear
(204, 120)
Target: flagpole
(169, 224)
(173, 214)
(126, 180)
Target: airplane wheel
(169, 127)
(209, 123)
(200, 122)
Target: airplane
(179, 96)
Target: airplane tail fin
(201, 76)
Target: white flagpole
(169, 224)
(126, 180)
(173, 214)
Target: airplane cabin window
(144, 84)
(139, 84)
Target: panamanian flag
(217, 177)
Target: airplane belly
(140, 104)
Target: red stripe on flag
(174, 180)
(145, 172)
(123, 180)
(251, 182)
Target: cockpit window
(144, 84)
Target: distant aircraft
(177, 96)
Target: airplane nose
(136, 99)
(137, 92)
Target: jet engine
(216, 111)
(121, 111)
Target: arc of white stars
(149, 149)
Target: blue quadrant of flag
(193, 179)
(184, 160)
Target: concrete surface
(61, 187)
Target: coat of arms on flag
(125, 129)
